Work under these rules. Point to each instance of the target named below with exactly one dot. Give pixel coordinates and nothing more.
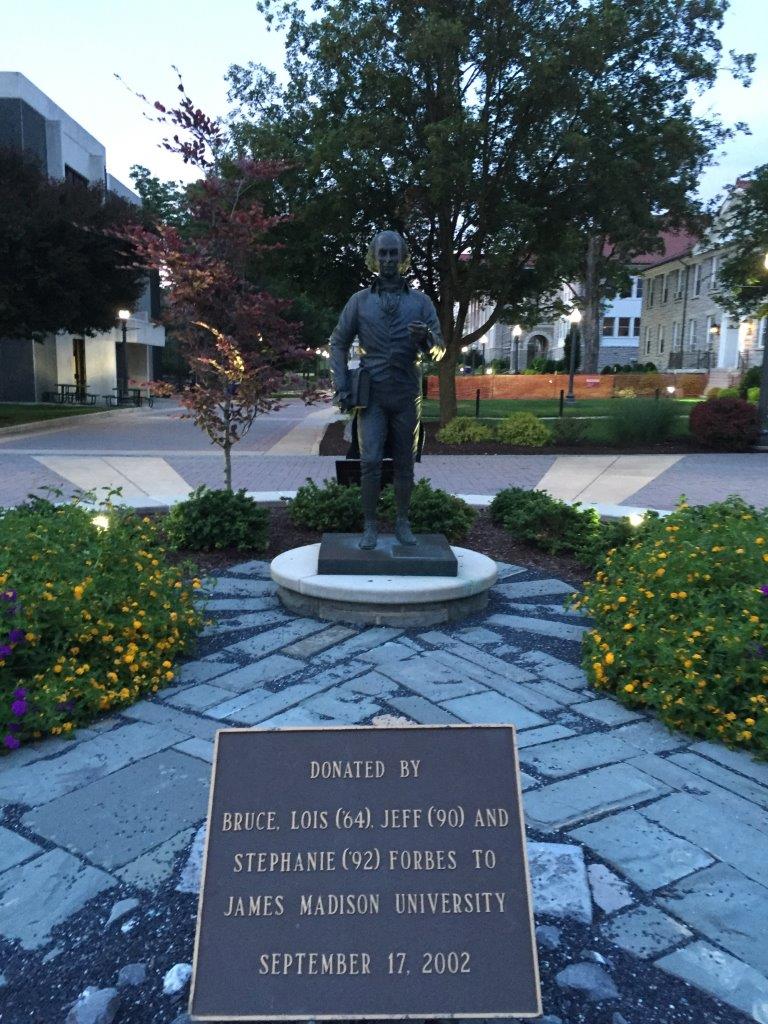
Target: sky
(72, 52)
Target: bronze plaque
(364, 872)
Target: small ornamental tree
(233, 334)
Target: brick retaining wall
(549, 385)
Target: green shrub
(535, 517)
(713, 392)
(432, 511)
(523, 428)
(626, 393)
(337, 508)
(209, 520)
(728, 393)
(751, 379)
(753, 395)
(91, 614)
(681, 622)
(464, 429)
(570, 430)
(329, 507)
(641, 420)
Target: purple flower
(16, 636)
(11, 742)
(66, 705)
(8, 595)
(5, 651)
(764, 590)
(14, 726)
(20, 694)
(19, 707)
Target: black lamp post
(517, 330)
(574, 317)
(124, 315)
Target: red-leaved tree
(233, 333)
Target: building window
(624, 322)
(679, 285)
(73, 177)
(661, 339)
(638, 287)
(675, 333)
(692, 335)
(626, 290)
(715, 270)
(651, 290)
(697, 279)
(608, 326)
(636, 327)
(647, 340)
(665, 289)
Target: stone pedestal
(378, 599)
(340, 554)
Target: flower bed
(91, 616)
(681, 622)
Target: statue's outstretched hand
(422, 336)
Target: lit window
(624, 322)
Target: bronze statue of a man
(395, 324)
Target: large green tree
(485, 130)
(743, 225)
(59, 270)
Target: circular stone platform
(382, 600)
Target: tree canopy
(496, 137)
(743, 277)
(60, 271)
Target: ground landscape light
(670, 389)
(635, 519)
(124, 314)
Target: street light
(124, 315)
(517, 330)
(574, 318)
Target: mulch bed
(484, 536)
(333, 443)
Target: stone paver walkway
(659, 843)
(155, 455)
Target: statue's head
(388, 254)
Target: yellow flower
(629, 688)
(627, 626)
(137, 624)
(125, 693)
(609, 659)
(196, 583)
(759, 540)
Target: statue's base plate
(341, 555)
(381, 600)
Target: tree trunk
(590, 327)
(447, 378)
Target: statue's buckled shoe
(404, 533)
(369, 537)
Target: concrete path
(653, 847)
(156, 455)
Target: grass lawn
(12, 415)
(497, 408)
